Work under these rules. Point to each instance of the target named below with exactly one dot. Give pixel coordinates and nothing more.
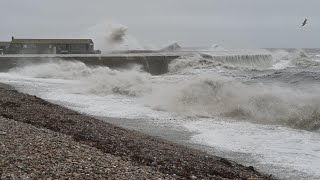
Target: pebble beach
(41, 140)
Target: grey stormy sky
(230, 23)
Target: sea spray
(171, 47)
(131, 82)
(95, 80)
(54, 69)
(109, 37)
(117, 35)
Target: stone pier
(154, 63)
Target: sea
(258, 107)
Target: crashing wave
(93, 80)
(284, 59)
(213, 95)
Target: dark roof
(51, 41)
(4, 43)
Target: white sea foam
(286, 153)
(282, 64)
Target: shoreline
(160, 156)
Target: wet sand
(48, 128)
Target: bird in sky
(304, 22)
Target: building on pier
(51, 46)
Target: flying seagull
(304, 22)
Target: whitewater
(241, 104)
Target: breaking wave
(94, 80)
(213, 95)
(276, 60)
(284, 59)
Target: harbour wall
(154, 63)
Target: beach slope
(41, 140)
